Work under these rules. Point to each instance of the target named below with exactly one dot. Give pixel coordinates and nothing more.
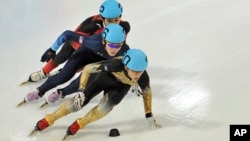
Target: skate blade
(24, 82)
(44, 105)
(32, 132)
(65, 138)
(21, 103)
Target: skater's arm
(86, 72)
(65, 36)
(84, 23)
(90, 26)
(146, 93)
(147, 101)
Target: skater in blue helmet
(110, 11)
(115, 78)
(110, 43)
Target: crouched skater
(114, 77)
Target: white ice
(199, 65)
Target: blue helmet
(135, 59)
(114, 33)
(110, 9)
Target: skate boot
(41, 125)
(46, 122)
(73, 128)
(37, 76)
(30, 97)
(54, 97)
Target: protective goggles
(114, 45)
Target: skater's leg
(49, 67)
(65, 108)
(64, 54)
(110, 99)
(71, 88)
(63, 76)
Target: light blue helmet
(135, 59)
(110, 9)
(114, 33)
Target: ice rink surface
(198, 52)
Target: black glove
(47, 55)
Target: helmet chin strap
(126, 72)
(104, 25)
(99, 25)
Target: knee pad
(105, 105)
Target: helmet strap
(126, 72)
(104, 42)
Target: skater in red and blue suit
(110, 12)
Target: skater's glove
(47, 55)
(152, 122)
(81, 38)
(135, 89)
(79, 99)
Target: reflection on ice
(190, 99)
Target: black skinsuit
(111, 77)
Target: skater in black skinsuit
(115, 78)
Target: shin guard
(96, 113)
(64, 109)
